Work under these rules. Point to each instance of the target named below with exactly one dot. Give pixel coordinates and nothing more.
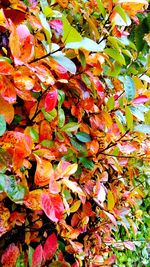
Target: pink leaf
(37, 256)
(50, 247)
(130, 245)
(140, 99)
(57, 25)
(52, 206)
(51, 100)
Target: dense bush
(74, 133)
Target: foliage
(74, 132)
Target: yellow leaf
(62, 3)
(110, 200)
(75, 206)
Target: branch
(45, 56)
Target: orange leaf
(33, 200)
(45, 130)
(52, 206)
(6, 68)
(4, 216)
(44, 171)
(10, 256)
(6, 110)
(62, 3)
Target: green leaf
(70, 127)
(49, 116)
(65, 62)
(30, 253)
(20, 261)
(101, 7)
(34, 135)
(6, 59)
(80, 147)
(61, 98)
(129, 86)
(47, 143)
(116, 55)
(15, 192)
(2, 125)
(70, 34)
(2, 182)
(46, 27)
(87, 163)
(147, 117)
(87, 44)
(110, 103)
(82, 58)
(83, 137)
(61, 118)
(129, 118)
(143, 128)
(120, 126)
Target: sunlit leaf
(83, 137)
(52, 206)
(44, 171)
(70, 127)
(110, 200)
(70, 34)
(65, 62)
(143, 128)
(128, 86)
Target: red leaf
(140, 99)
(50, 247)
(51, 100)
(37, 256)
(10, 256)
(52, 206)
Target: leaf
(75, 206)
(128, 86)
(37, 256)
(116, 55)
(10, 255)
(59, 264)
(6, 68)
(6, 110)
(140, 99)
(33, 200)
(87, 163)
(129, 118)
(111, 103)
(51, 100)
(65, 62)
(30, 254)
(129, 245)
(87, 44)
(44, 4)
(49, 116)
(2, 125)
(20, 261)
(61, 117)
(61, 98)
(83, 137)
(50, 247)
(70, 34)
(52, 206)
(110, 200)
(137, 113)
(44, 171)
(46, 27)
(70, 127)
(143, 128)
(15, 192)
(75, 188)
(112, 218)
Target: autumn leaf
(7, 110)
(33, 199)
(51, 100)
(50, 247)
(37, 256)
(44, 171)
(9, 257)
(52, 205)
